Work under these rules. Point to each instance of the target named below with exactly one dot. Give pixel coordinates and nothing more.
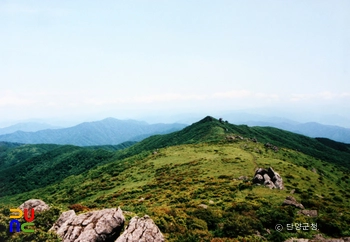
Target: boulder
(101, 225)
(259, 179)
(37, 204)
(269, 184)
(276, 178)
(203, 206)
(319, 238)
(293, 202)
(141, 230)
(269, 178)
(261, 171)
(296, 240)
(309, 213)
(230, 138)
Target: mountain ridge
(311, 129)
(108, 131)
(27, 127)
(210, 129)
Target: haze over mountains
(113, 131)
(311, 129)
(109, 131)
(27, 127)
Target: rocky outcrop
(37, 204)
(319, 238)
(101, 225)
(272, 147)
(309, 213)
(293, 202)
(269, 178)
(141, 230)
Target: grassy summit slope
(197, 185)
(212, 130)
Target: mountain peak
(207, 119)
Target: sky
(87, 60)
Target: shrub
(270, 216)
(208, 216)
(78, 207)
(329, 225)
(240, 225)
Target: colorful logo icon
(18, 225)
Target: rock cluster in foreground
(106, 225)
(101, 225)
(319, 238)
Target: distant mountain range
(112, 131)
(311, 129)
(27, 127)
(109, 131)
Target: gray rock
(270, 172)
(65, 216)
(309, 213)
(258, 179)
(203, 206)
(141, 230)
(318, 238)
(269, 178)
(276, 178)
(261, 171)
(296, 240)
(293, 202)
(93, 226)
(269, 184)
(37, 204)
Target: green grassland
(196, 185)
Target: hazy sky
(125, 59)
